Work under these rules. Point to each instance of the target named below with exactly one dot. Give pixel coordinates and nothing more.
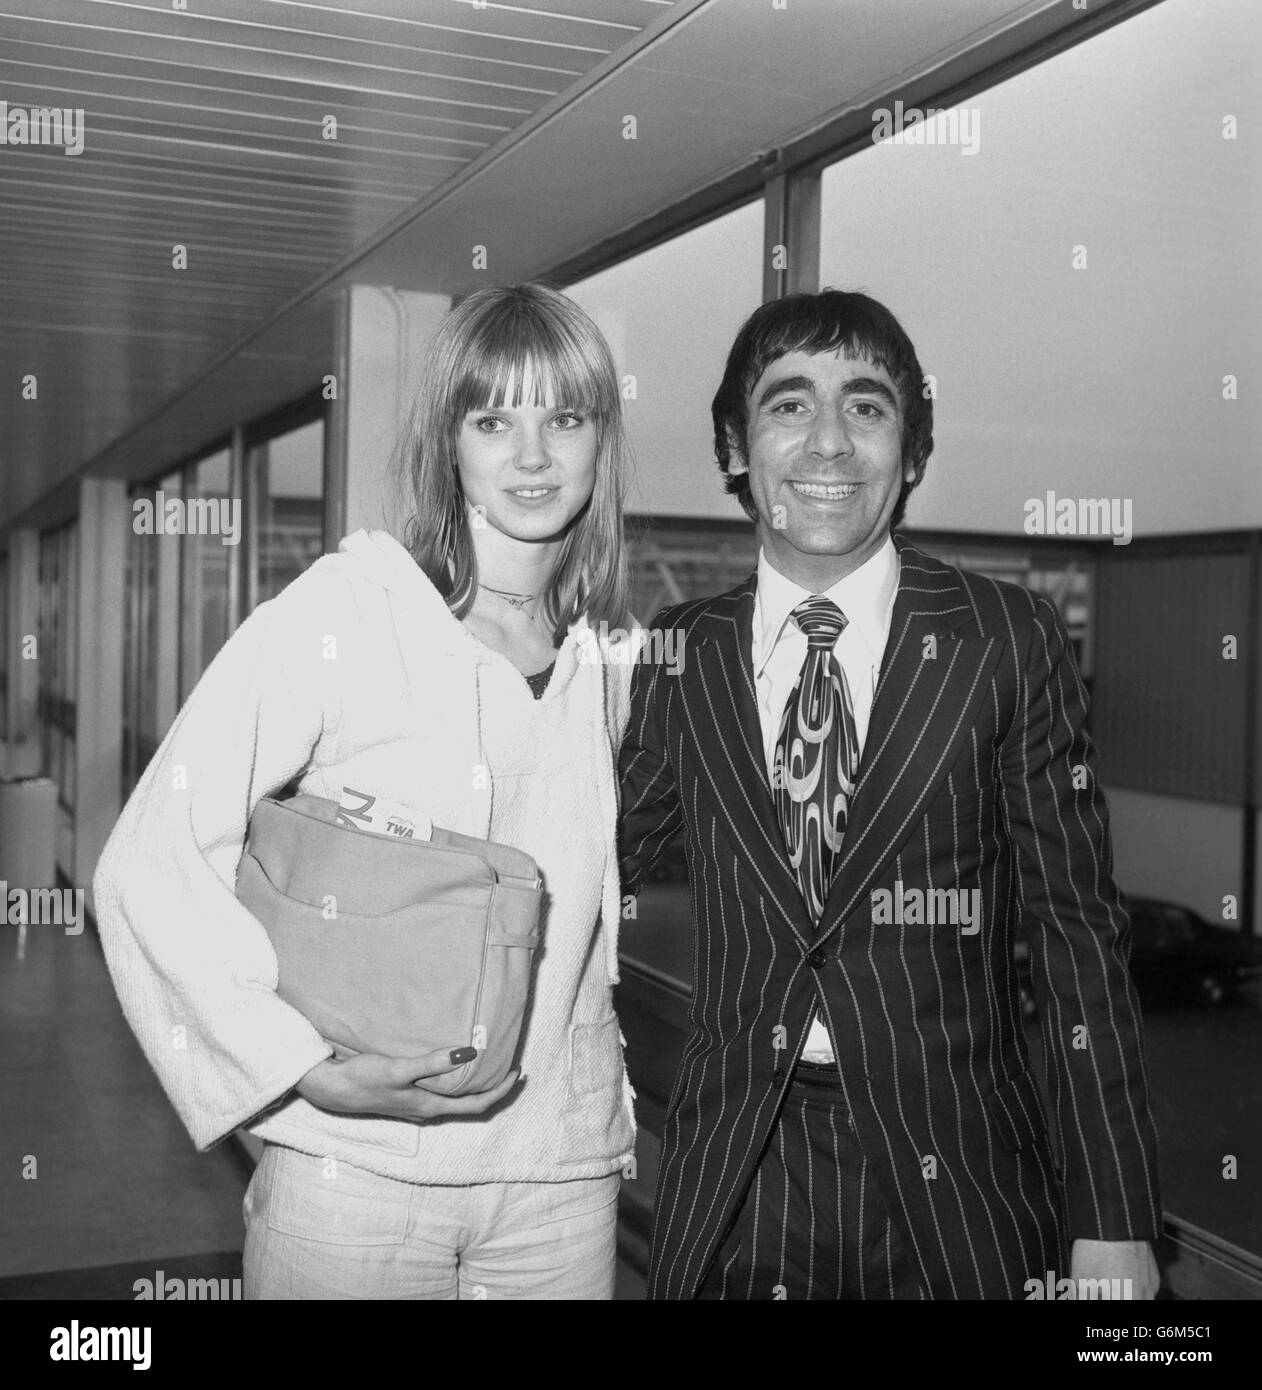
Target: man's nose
(829, 436)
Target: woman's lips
(531, 494)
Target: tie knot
(821, 620)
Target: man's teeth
(831, 493)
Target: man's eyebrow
(857, 386)
(785, 383)
(870, 386)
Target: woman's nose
(532, 455)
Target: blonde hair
(481, 355)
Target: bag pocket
(367, 983)
(391, 946)
(499, 1009)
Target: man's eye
(870, 408)
(788, 407)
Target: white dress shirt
(866, 597)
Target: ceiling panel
(458, 123)
(204, 129)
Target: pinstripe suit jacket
(977, 773)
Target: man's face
(825, 463)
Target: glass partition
(670, 315)
(57, 636)
(209, 558)
(289, 485)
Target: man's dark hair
(823, 322)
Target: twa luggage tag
(382, 816)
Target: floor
(95, 1169)
(100, 1186)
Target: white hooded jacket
(359, 675)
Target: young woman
(462, 676)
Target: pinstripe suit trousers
(813, 1223)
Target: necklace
(515, 601)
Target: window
(185, 574)
(57, 637)
(210, 555)
(140, 736)
(4, 649)
(670, 315)
(151, 630)
(673, 560)
(289, 486)
(1102, 380)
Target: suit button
(816, 959)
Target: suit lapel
(721, 721)
(936, 671)
(932, 680)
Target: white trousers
(319, 1229)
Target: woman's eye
(568, 420)
(488, 424)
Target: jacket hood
(382, 558)
(379, 557)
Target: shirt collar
(865, 596)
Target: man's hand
(1116, 1259)
(373, 1085)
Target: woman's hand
(370, 1084)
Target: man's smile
(827, 492)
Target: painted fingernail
(463, 1054)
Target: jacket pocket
(594, 1124)
(965, 809)
(1016, 1113)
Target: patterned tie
(817, 756)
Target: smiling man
(854, 1114)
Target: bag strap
(496, 938)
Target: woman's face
(527, 470)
